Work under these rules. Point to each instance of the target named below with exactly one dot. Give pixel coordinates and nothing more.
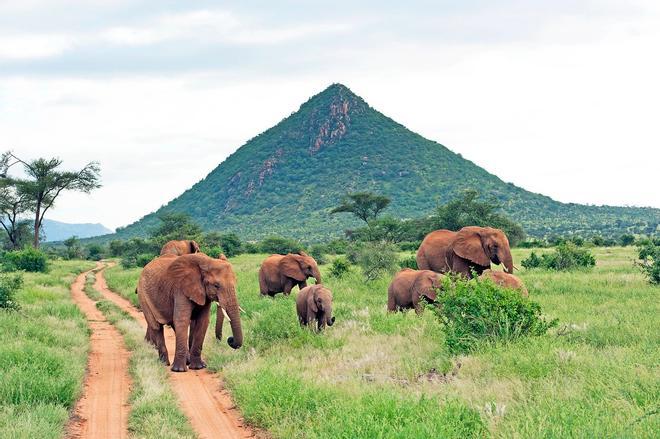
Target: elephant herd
(177, 288)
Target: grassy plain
(43, 353)
(377, 375)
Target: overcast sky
(561, 97)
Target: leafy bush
(95, 252)
(626, 239)
(409, 262)
(532, 243)
(131, 261)
(649, 253)
(340, 266)
(318, 253)
(230, 243)
(213, 252)
(377, 259)
(279, 245)
(336, 246)
(9, 284)
(476, 311)
(409, 246)
(567, 256)
(28, 259)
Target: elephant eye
(217, 285)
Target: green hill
(286, 180)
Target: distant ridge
(59, 231)
(285, 180)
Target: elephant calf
(409, 286)
(506, 280)
(280, 273)
(315, 303)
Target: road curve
(102, 411)
(207, 405)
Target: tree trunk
(37, 225)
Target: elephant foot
(197, 364)
(163, 359)
(179, 368)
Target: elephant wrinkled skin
(178, 291)
(315, 303)
(409, 286)
(470, 249)
(280, 273)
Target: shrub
(95, 252)
(409, 246)
(143, 259)
(567, 256)
(213, 252)
(9, 284)
(279, 245)
(318, 253)
(649, 254)
(336, 246)
(340, 266)
(28, 259)
(626, 239)
(377, 259)
(250, 247)
(479, 311)
(409, 262)
(230, 243)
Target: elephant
(505, 280)
(409, 286)
(178, 291)
(179, 248)
(315, 303)
(280, 273)
(470, 249)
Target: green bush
(409, 246)
(279, 245)
(28, 259)
(213, 252)
(9, 284)
(131, 261)
(95, 252)
(649, 254)
(340, 266)
(567, 256)
(377, 259)
(627, 239)
(409, 262)
(318, 252)
(479, 311)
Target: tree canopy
(364, 205)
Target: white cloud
(25, 46)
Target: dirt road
(102, 412)
(209, 408)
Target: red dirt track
(209, 408)
(102, 411)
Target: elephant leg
(159, 341)
(198, 331)
(182, 313)
(288, 286)
(190, 338)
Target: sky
(559, 97)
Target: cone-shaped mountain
(287, 179)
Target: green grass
(155, 410)
(378, 375)
(43, 353)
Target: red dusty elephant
(280, 273)
(470, 249)
(506, 280)
(179, 248)
(409, 287)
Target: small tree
(72, 245)
(46, 182)
(175, 225)
(364, 205)
(12, 205)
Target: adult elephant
(470, 249)
(409, 287)
(178, 248)
(280, 273)
(178, 291)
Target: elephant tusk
(225, 313)
(241, 310)
(516, 268)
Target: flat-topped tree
(45, 182)
(364, 205)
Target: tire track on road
(207, 405)
(102, 411)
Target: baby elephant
(315, 303)
(409, 286)
(505, 280)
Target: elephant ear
(194, 247)
(312, 295)
(468, 245)
(291, 268)
(423, 286)
(186, 274)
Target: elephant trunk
(507, 261)
(329, 319)
(234, 315)
(317, 275)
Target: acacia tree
(364, 205)
(45, 182)
(12, 206)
